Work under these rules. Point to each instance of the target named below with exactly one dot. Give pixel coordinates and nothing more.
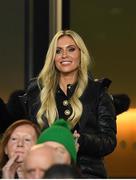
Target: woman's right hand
(9, 170)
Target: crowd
(64, 123)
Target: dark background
(109, 30)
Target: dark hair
(4, 116)
(14, 105)
(7, 134)
(62, 171)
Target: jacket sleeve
(102, 141)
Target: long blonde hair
(49, 80)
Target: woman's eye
(13, 139)
(71, 49)
(58, 51)
(27, 140)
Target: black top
(97, 125)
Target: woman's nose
(20, 143)
(64, 53)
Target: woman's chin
(20, 159)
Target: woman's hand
(11, 167)
(76, 137)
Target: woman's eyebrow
(71, 45)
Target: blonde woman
(64, 89)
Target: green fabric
(60, 132)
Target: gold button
(65, 102)
(69, 86)
(67, 112)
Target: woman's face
(67, 59)
(20, 142)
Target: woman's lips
(66, 62)
(19, 152)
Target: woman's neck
(65, 80)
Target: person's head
(38, 160)
(4, 115)
(70, 44)
(62, 171)
(63, 155)
(67, 55)
(18, 138)
(14, 105)
(59, 136)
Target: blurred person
(59, 136)
(16, 142)
(11, 110)
(38, 160)
(62, 171)
(14, 105)
(4, 116)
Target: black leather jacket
(97, 126)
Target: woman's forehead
(63, 40)
(23, 128)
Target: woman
(15, 144)
(66, 90)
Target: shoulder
(95, 88)
(103, 82)
(98, 84)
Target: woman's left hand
(76, 137)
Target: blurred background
(109, 30)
